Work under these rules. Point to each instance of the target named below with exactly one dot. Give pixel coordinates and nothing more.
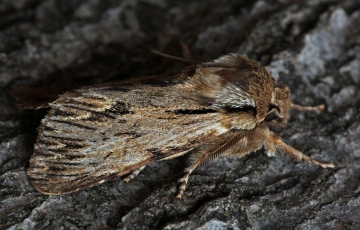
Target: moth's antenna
(176, 58)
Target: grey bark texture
(312, 46)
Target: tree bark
(311, 46)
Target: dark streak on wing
(49, 129)
(62, 113)
(192, 111)
(132, 135)
(64, 138)
(74, 145)
(69, 144)
(240, 109)
(46, 142)
(107, 155)
(58, 150)
(40, 153)
(74, 124)
(120, 108)
(63, 175)
(90, 111)
(66, 163)
(74, 157)
(57, 168)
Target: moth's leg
(275, 141)
(133, 174)
(210, 151)
(307, 108)
(185, 179)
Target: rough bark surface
(312, 46)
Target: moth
(218, 108)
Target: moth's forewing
(94, 134)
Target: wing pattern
(94, 134)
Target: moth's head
(241, 89)
(278, 111)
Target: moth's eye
(271, 116)
(273, 112)
(272, 106)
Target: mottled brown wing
(94, 134)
